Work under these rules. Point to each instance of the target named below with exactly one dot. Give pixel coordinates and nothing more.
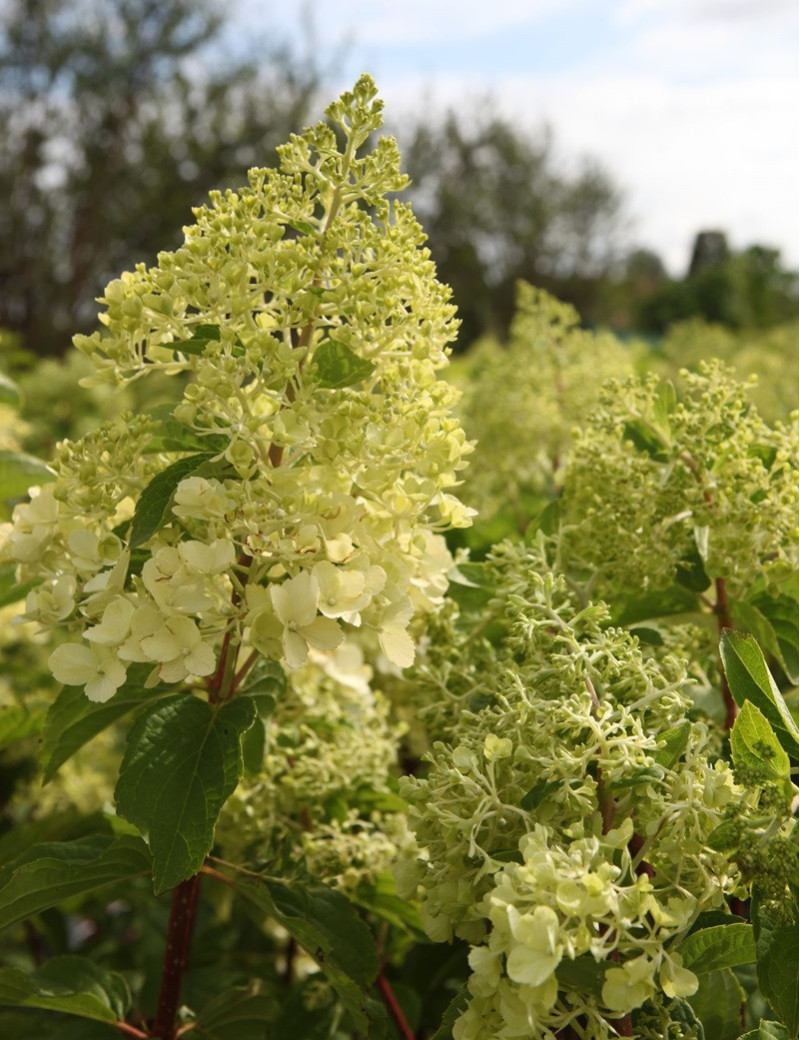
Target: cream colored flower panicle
(297, 490)
(563, 826)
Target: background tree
(116, 117)
(498, 207)
(750, 289)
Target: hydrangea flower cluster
(563, 828)
(295, 493)
(544, 382)
(658, 482)
(321, 802)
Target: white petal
(104, 685)
(201, 660)
(398, 646)
(115, 623)
(72, 664)
(324, 634)
(161, 646)
(295, 649)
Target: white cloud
(708, 10)
(414, 21)
(720, 155)
(692, 105)
(704, 38)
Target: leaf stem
(182, 913)
(129, 1030)
(245, 668)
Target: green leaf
(63, 825)
(748, 618)
(713, 918)
(651, 606)
(19, 471)
(674, 744)
(10, 592)
(9, 392)
(691, 572)
(455, 1009)
(682, 1014)
(72, 985)
(29, 1024)
(265, 687)
(156, 498)
(326, 925)
(583, 974)
(726, 836)
(203, 335)
(311, 1019)
(172, 435)
(338, 366)
(717, 1003)
(723, 946)
(182, 761)
(664, 406)
(46, 874)
(380, 897)
(645, 439)
(750, 679)
(781, 613)
(547, 521)
(18, 722)
(642, 775)
(533, 799)
(267, 679)
(73, 719)
(254, 747)
(777, 967)
(305, 228)
(755, 747)
(237, 1015)
(368, 799)
(650, 636)
(767, 1031)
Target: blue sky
(692, 105)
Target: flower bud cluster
(657, 482)
(567, 818)
(320, 802)
(540, 386)
(314, 440)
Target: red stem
(179, 936)
(623, 1026)
(635, 847)
(397, 1012)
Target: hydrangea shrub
(381, 791)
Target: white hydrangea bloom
(294, 493)
(98, 668)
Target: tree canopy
(117, 117)
(497, 207)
